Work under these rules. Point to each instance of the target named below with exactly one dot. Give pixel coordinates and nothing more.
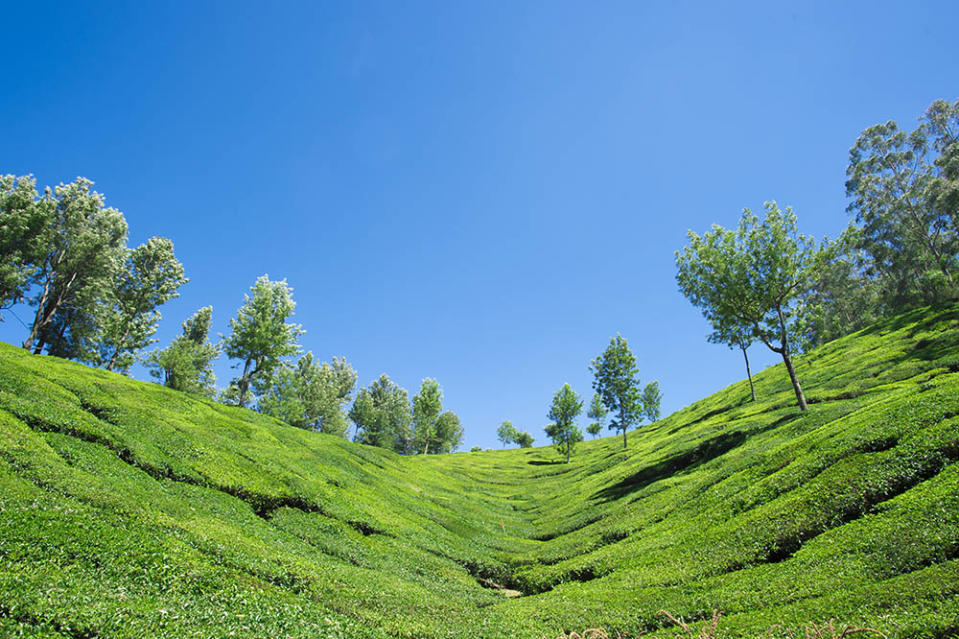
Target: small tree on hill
(449, 433)
(427, 406)
(382, 416)
(186, 364)
(311, 395)
(524, 439)
(261, 338)
(506, 433)
(563, 411)
(652, 399)
(616, 380)
(597, 411)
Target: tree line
(764, 281)
(64, 255)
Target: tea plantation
(130, 510)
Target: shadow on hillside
(540, 462)
(684, 461)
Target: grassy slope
(127, 509)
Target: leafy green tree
(311, 395)
(507, 433)
(524, 439)
(753, 277)
(187, 363)
(616, 380)
(597, 412)
(261, 337)
(84, 246)
(563, 411)
(652, 400)
(382, 416)
(904, 197)
(449, 433)
(24, 220)
(150, 276)
(427, 406)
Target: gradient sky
(479, 192)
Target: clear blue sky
(479, 192)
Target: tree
(311, 395)
(449, 433)
(524, 439)
(150, 276)
(84, 246)
(260, 336)
(597, 412)
(905, 199)
(735, 336)
(563, 411)
(616, 380)
(427, 405)
(506, 433)
(651, 400)
(382, 416)
(754, 277)
(23, 235)
(187, 363)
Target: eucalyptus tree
(427, 406)
(311, 395)
(905, 197)
(149, 277)
(382, 415)
(24, 219)
(261, 337)
(187, 363)
(84, 245)
(651, 400)
(616, 381)
(597, 412)
(507, 433)
(753, 277)
(566, 406)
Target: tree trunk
(426, 447)
(624, 439)
(244, 384)
(795, 380)
(752, 390)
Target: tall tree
(84, 246)
(616, 380)
(261, 337)
(449, 433)
(149, 277)
(187, 363)
(382, 415)
(563, 411)
(23, 235)
(905, 198)
(652, 401)
(757, 276)
(507, 433)
(311, 395)
(427, 406)
(597, 412)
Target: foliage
(563, 411)
(427, 405)
(616, 381)
(597, 411)
(524, 439)
(149, 277)
(261, 337)
(507, 433)
(904, 198)
(84, 246)
(448, 435)
(23, 231)
(311, 395)
(753, 277)
(187, 363)
(651, 400)
(130, 510)
(382, 416)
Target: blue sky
(479, 192)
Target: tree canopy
(566, 406)
(616, 381)
(187, 363)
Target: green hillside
(129, 510)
